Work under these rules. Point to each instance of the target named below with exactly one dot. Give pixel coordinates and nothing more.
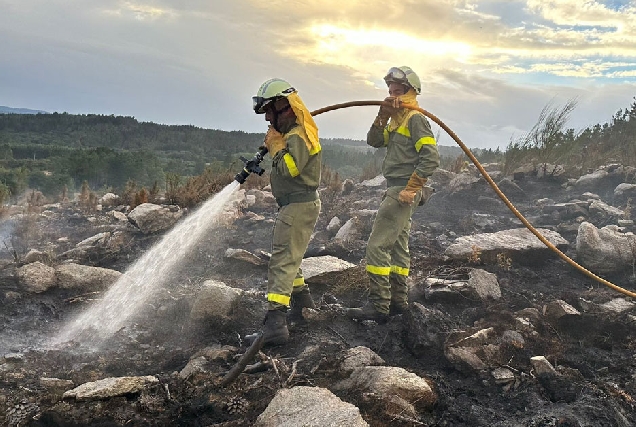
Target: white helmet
(270, 91)
(405, 76)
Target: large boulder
(151, 218)
(310, 407)
(215, 300)
(518, 244)
(36, 277)
(385, 382)
(110, 387)
(77, 276)
(605, 250)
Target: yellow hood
(306, 121)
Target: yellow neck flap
(306, 121)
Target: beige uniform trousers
(293, 228)
(388, 259)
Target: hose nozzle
(251, 166)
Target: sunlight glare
(332, 38)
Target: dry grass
(196, 189)
(352, 280)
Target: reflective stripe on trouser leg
(299, 282)
(392, 222)
(292, 230)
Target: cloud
(487, 66)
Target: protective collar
(401, 114)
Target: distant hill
(10, 110)
(444, 150)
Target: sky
(488, 67)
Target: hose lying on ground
(487, 177)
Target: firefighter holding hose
(292, 141)
(410, 159)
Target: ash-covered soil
(593, 352)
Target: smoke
(7, 228)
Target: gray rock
(215, 300)
(309, 407)
(194, 366)
(348, 231)
(386, 381)
(378, 181)
(618, 305)
(559, 308)
(625, 191)
(322, 269)
(334, 224)
(36, 277)
(605, 250)
(77, 276)
(542, 367)
(34, 255)
(602, 211)
(358, 357)
(244, 256)
(519, 244)
(151, 218)
(110, 387)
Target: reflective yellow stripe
(315, 150)
(379, 271)
(299, 281)
(425, 140)
(386, 136)
(281, 299)
(291, 165)
(404, 130)
(402, 271)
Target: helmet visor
(259, 103)
(396, 75)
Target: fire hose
(252, 166)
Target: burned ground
(593, 352)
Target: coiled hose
(487, 177)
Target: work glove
(385, 112)
(274, 141)
(415, 184)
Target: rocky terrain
(499, 332)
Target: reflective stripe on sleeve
(291, 165)
(281, 299)
(425, 140)
(299, 281)
(379, 271)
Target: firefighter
(292, 141)
(411, 158)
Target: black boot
(398, 308)
(275, 328)
(300, 300)
(368, 312)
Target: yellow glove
(415, 184)
(274, 141)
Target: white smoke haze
(131, 295)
